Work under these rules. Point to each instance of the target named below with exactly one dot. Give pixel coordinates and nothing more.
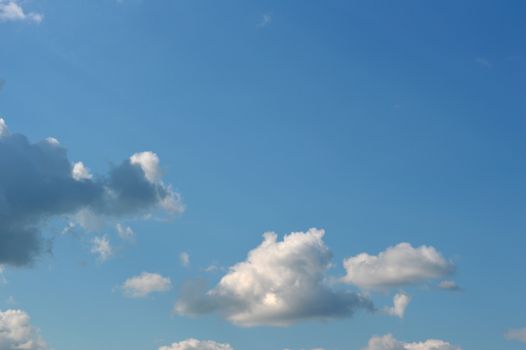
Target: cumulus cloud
(38, 183)
(194, 344)
(280, 282)
(17, 333)
(400, 303)
(388, 342)
(516, 334)
(144, 284)
(80, 172)
(395, 267)
(12, 11)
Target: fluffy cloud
(194, 344)
(280, 282)
(17, 333)
(11, 11)
(396, 266)
(144, 284)
(38, 183)
(80, 172)
(517, 334)
(388, 342)
(400, 303)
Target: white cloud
(149, 163)
(388, 342)
(184, 258)
(280, 282)
(11, 11)
(80, 172)
(516, 334)
(17, 333)
(396, 266)
(400, 303)
(101, 247)
(53, 141)
(125, 232)
(194, 344)
(142, 285)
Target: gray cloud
(38, 183)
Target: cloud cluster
(280, 282)
(194, 344)
(388, 342)
(17, 333)
(144, 284)
(12, 11)
(38, 183)
(395, 267)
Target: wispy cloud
(516, 334)
(265, 20)
(12, 11)
(483, 62)
(184, 258)
(102, 248)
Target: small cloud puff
(184, 259)
(449, 285)
(194, 344)
(388, 342)
(400, 303)
(395, 267)
(125, 232)
(12, 11)
(144, 284)
(101, 247)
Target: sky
(288, 175)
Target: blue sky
(379, 122)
